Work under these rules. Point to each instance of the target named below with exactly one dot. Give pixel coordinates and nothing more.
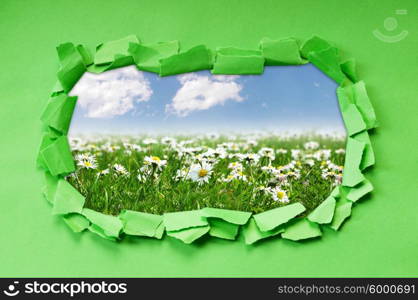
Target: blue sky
(285, 98)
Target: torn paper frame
(165, 59)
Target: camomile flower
(323, 154)
(263, 189)
(281, 151)
(235, 165)
(149, 141)
(309, 162)
(328, 174)
(103, 172)
(311, 145)
(110, 147)
(228, 178)
(296, 154)
(86, 161)
(155, 161)
(295, 174)
(119, 169)
(182, 173)
(338, 179)
(340, 151)
(279, 195)
(168, 140)
(249, 157)
(136, 147)
(200, 173)
(267, 152)
(252, 143)
(239, 175)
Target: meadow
(176, 173)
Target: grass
(308, 178)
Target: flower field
(164, 174)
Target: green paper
(147, 57)
(352, 117)
(324, 212)
(314, 44)
(72, 65)
(301, 230)
(281, 52)
(183, 219)
(238, 61)
(380, 246)
(359, 191)
(50, 187)
(58, 112)
(106, 226)
(67, 199)
(328, 61)
(231, 216)
(189, 235)
(106, 52)
(362, 101)
(57, 157)
(57, 89)
(368, 158)
(253, 234)
(222, 229)
(342, 212)
(271, 219)
(195, 59)
(336, 192)
(357, 94)
(47, 139)
(159, 232)
(349, 69)
(354, 152)
(141, 224)
(76, 222)
(85, 54)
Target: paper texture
(281, 52)
(271, 219)
(301, 230)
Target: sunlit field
(165, 174)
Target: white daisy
(340, 151)
(279, 195)
(200, 173)
(155, 161)
(119, 169)
(87, 161)
(311, 145)
(103, 172)
(149, 141)
(281, 151)
(267, 152)
(296, 153)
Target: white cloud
(112, 93)
(200, 92)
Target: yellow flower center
(88, 164)
(155, 158)
(203, 172)
(298, 163)
(280, 194)
(323, 163)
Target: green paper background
(379, 240)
